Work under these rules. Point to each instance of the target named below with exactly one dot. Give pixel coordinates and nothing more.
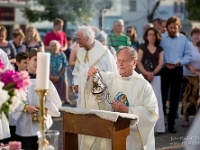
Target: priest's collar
(127, 78)
(94, 54)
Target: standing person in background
(57, 71)
(69, 68)
(117, 38)
(163, 26)
(151, 51)
(132, 34)
(146, 26)
(74, 50)
(156, 24)
(6, 46)
(18, 38)
(184, 33)
(102, 37)
(191, 72)
(32, 40)
(177, 52)
(57, 34)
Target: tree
(192, 6)
(151, 14)
(68, 10)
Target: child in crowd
(26, 126)
(21, 61)
(57, 71)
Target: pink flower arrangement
(13, 87)
(20, 80)
(1, 66)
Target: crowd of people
(152, 72)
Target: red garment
(60, 37)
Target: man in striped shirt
(117, 38)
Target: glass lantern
(48, 140)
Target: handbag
(148, 65)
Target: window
(132, 4)
(175, 7)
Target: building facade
(11, 16)
(135, 12)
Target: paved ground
(164, 141)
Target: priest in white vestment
(139, 99)
(4, 124)
(91, 53)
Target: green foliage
(192, 6)
(69, 10)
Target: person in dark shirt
(150, 60)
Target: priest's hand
(119, 107)
(92, 71)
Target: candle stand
(42, 118)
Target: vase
(48, 140)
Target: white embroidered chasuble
(143, 103)
(98, 56)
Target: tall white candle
(42, 73)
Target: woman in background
(152, 52)
(132, 34)
(6, 46)
(32, 40)
(58, 63)
(191, 73)
(101, 36)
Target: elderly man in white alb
(91, 53)
(130, 93)
(4, 125)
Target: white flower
(15, 102)
(3, 95)
(21, 94)
(1, 85)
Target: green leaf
(9, 86)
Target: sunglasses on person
(128, 31)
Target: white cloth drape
(156, 85)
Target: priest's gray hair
(131, 50)
(101, 36)
(87, 32)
